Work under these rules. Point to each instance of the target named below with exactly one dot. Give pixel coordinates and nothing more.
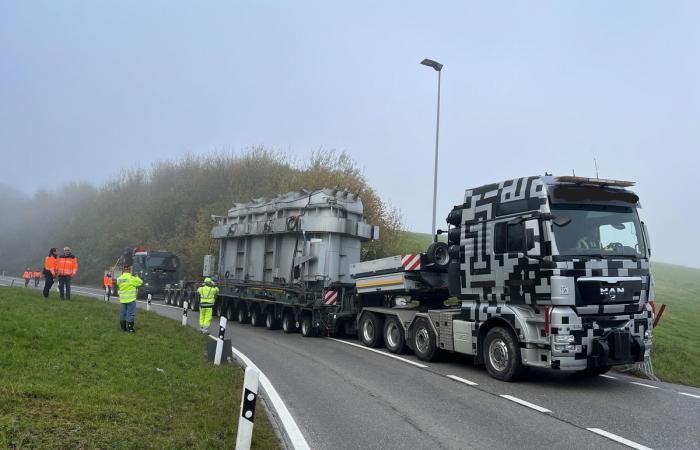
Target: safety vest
(27, 275)
(107, 281)
(207, 294)
(50, 264)
(66, 266)
(37, 275)
(128, 286)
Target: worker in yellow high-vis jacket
(128, 288)
(207, 297)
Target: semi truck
(540, 271)
(157, 269)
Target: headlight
(563, 339)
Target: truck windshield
(600, 230)
(163, 261)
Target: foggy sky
(88, 88)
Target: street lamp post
(438, 68)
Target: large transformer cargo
(541, 271)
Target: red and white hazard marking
(330, 298)
(411, 261)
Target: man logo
(612, 292)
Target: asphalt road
(343, 395)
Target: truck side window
(509, 238)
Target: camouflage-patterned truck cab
(555, 267)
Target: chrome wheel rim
(498, 354)
(305, 327)
(392, 334)
(368, 331)
(422, 340)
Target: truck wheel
(166, 298)
(230, 311)
(502, 354)
(394, 336)
(437, 254)
(371, 328)
(424, 341)
(255, 319)
(242, 313)
(288, 323)
(307, 327)
(270, 321)
(219, 308)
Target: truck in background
(546, 271)
(157, 268)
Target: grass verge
(70, 378)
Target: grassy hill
(676, 350)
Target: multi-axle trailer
(542, 271)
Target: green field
(676, 341)
(70, 378)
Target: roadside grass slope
(70, 378)
(676, 341)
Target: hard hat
(208, 280)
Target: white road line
(290, 426)
(645, 385)
(524, 403)
(689, 395)
(619, 439)
(407, 361)
(608, 376)
(462, 380)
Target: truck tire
(230, 311)
(242, 313)
(307, 326)
(271, 321)
(288, 323)
(256, 317)
(218, 308)
(424, 341)
(371, 330)
(166, 298)
(502, 354)
(437, 254)
(394, 337)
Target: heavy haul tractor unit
(542, 271)
(157, 268)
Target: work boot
(131, 327)
(123, 324)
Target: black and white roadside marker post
(148, 302)
(220, 342)
(247, 418)
(184, 314)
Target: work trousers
(48, 282)
(64, 286)
(127, 311)
(26, 282)
(36, 282)
(205, 312)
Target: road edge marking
(616, 438)
(645, 385)
(689, 395)
(525, 403)
(608, 376)
(462, 380)
(290, 426)
(407, 361)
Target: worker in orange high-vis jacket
(107, 283)
(27, 275)
(66, 268)
(37, 277)
(49, 271)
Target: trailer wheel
(424, 341)
(394, 336)
(307, 326)
(242, 313)
(502, 354)
(255, 317)
(218, 308)
(230, 310)
(270, 321)
(437, 254)
(288, 323)
(371, 328)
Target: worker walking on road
(128, 285)
(27, 275)
(37, 277)
(66, 268)
(207, 297)
(49, 271)
(107, 283)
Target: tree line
(169, 207)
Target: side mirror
(647, 242)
